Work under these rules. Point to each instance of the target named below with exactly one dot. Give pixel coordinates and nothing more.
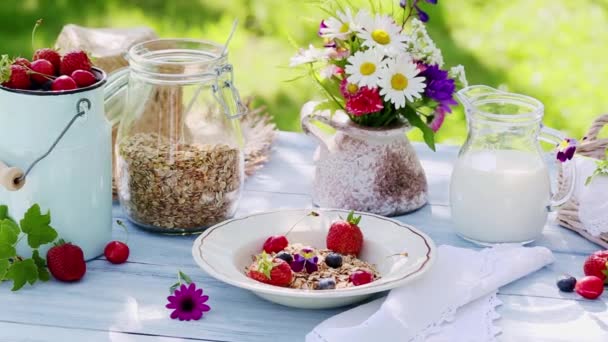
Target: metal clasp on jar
(234, 107)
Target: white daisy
(364, 68)
(382, 32)
(398, 81)
(340, 27)
(310, 55)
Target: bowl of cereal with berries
(314, 259)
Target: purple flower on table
(307, 260)
(566, 149)
(188, 303)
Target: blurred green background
(554, 50)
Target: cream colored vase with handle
(366, 169)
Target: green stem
(314, 76)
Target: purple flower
(422, 15)
(566, 149)
(439, 87)
(322, 25)
(188, 303)
(438, 119)
(307, 260)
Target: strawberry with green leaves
(344, 236)
(597, 265)
(270, 271)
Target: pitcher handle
(308, 114)
(568, 168)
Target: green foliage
(600, 170)
(36, 227)
(352, 219)
(553, 50)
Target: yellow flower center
(399, 82)
(344, 28)
(352, 88)
(367, 68)
(563, 144)
(381, 37)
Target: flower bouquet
(382, 75)
(383, 69)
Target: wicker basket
(591, 147)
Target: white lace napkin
(455, 301)
(592, 198)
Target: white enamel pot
(74, 180)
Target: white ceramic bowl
(225, 250)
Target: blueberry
(566, 283)
(285, 256)
(326, 284)
(333, 260)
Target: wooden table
(126, 302)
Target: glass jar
(179, 148)
(500, 190)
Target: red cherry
(361, 277)
(275, 244)
(22, 61)
(43, 71)
(83, 78)
(116, 252)
(63, 83)
(589, 287)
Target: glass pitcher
(500, 190)
(179, 148)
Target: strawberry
(83, 78)
(75, 60)
(597, 265)
(275, 244)
(18, 78)
(41, 71)
(51, 56)
(66, 262)
(116, 252)
(345, 237)
(270, 271)
(63, 83)
(22, 61)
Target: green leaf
(21, 272)
(7, 250)
(4, 264)
(5, 68)
(37, 227)
(427, 132)
(9, 232)
(3, 212)
(173, 288)
(185, 277)
(43, 273)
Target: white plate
(225, 250)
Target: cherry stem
(48, 77)
(38, 23)
(121, 224)
(312, 213)
(404, 254)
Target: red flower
(349, 90)
(366, 101)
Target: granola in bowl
(302, 267)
